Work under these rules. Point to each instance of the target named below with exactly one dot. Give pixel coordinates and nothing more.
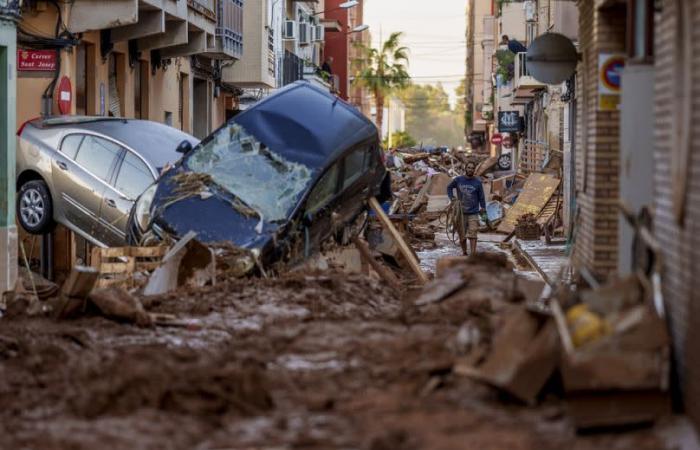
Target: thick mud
(309, 360)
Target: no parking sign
(609, 81)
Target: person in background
(513, 45)
(327, 66)
(470, 192)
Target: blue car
(279, 178)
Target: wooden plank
(114, 252)
(151, 252)
(383, 271)
(80, 281)
(120, 267)
(403, 247)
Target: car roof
(155, 142)
(306, 124)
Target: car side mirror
(185, 147)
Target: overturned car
(280, 178)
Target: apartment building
(9, 14)
(157, 60)
(479, 38)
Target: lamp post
(344, 5)
(9, 15)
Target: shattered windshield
(264, 180)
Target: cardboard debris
(524, 354)
(537, 191)
(116, 303)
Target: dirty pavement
(376, 345)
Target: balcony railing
(229, 26)
(292, 68)
(523, 79)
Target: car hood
(214, 218)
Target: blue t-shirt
(470, 193)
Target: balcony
(292, 68)
(228, 38)
(256, 65)
(525, 86)
(314, 75)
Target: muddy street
(309, 360)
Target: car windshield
(264, 180)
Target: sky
(434, 35)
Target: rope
(453, 220)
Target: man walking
(470, 192)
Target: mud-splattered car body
(281, 177)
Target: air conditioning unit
(304, 34)
(290, 30)
(530, 8)
(319, 33)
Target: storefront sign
(496, 139)
(509, 122)
(36, 60)
(609, 81)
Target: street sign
(36, 60)
(610, 81)
(65, 95)
(496, 139)
(509, 122)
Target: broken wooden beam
(405, 250)
(383, 271)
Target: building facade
(9, 14)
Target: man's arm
(482, 198)
(450, 187)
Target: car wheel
(504, 161)
(35, 208)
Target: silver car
(86, 172)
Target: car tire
(505, 162)
(35, 207)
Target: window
(323, 191)
(640, 30)
(70, 145)
(354, 166)
(97, 155)
(134, 176)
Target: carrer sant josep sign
(36, 60)
(509, 122)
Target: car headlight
(143, 207)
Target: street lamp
(344, 5)
(359, 29)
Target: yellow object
(585, 325)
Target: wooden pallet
(118, 265)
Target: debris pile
(527, 228)
(608, 345)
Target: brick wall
(680, 242)
(598, 144)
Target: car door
(81, 171)
(132, 177)
(319, 207)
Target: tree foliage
(383, 70)
(429, 117)
(400, 139)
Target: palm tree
(383, 70)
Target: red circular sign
(496, 139)
(65, 95)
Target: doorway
(200, 112)
(85, 79)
